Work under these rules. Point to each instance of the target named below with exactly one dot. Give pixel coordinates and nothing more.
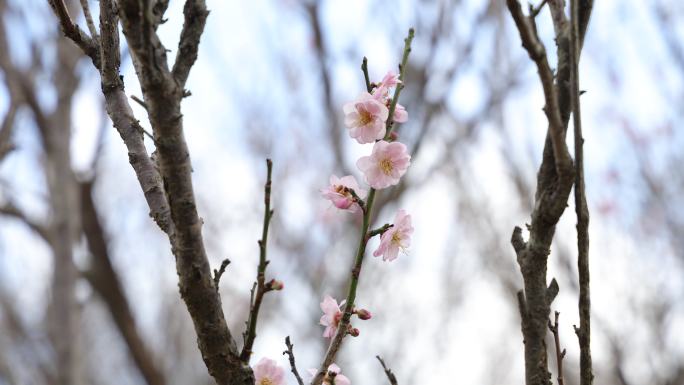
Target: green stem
(261, 289)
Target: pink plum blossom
(386, 164)
(331, 315)
(400, 115)
(365, 117)
(267, 372)
(339, 192)
(340, 379)
(391, 79)
(381, 92)
(398, 237)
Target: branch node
(218, 273)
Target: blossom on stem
(339, 192)
(398, 237)
(365, 117)
(381, 91)
(386, 164)
(331, 315)
(400, 115)
(340, 379)
(267, 372)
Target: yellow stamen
(266, 381)
(365, 117)
(386, 166)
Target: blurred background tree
(88, 288)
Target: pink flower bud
(354, 332)
(393, 136)
(275, 285)
(363, 314)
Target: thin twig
(139, 101)
(534, 11)
(293, 366)
(560, 353)
(366, 77)
(390, 376)
(261, 287)
(74, 32)
(342, 329)
(397, 90)
(218, 273)
(89, 20)
(581, 208)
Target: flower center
(343, 190)
(365, 117)
(396, 239)
(266, 381)
(386, 166)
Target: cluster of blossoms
(267, 372)
(367, 120)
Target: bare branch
(89, 21)
(195, 12)
(218, 273)
(74, 32)
(581, 207)
(560, 353)
(388, 372)
(119, 110)
(291, 357)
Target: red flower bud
(363, 314)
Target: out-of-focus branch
(291, 358)
(581, 208)
(106, 283)
(9, 209)
(334, 133)
(388, 372)
(6, 128)
(261, 286)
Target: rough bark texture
(581, 208)
(554, 182)
(168, 183)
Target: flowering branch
(290, 355)
(344, 322)
(390, 376)
(261, 286)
